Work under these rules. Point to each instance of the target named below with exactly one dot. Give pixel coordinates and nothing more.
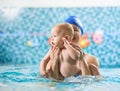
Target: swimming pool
(27, 78)
(24, 34)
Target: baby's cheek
(62, 43)
(49, 41)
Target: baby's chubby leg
(48, 67)
(52, 70)
(53, 67)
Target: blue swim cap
(75, 21)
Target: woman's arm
(43, 64)
(84, 67)
(93, 64)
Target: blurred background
(24, 33)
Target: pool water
(27, 78)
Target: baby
(63, 55)
(86, 64)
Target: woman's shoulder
(90, 55)
(91, 59)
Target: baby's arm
(77, 52)
(73, 52)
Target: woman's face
(76, 34)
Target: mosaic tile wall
(24, 33)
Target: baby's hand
(78, 48)
(66, 43)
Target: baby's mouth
(52, 43)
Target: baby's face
(56, 37)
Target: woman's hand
(54, 53)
